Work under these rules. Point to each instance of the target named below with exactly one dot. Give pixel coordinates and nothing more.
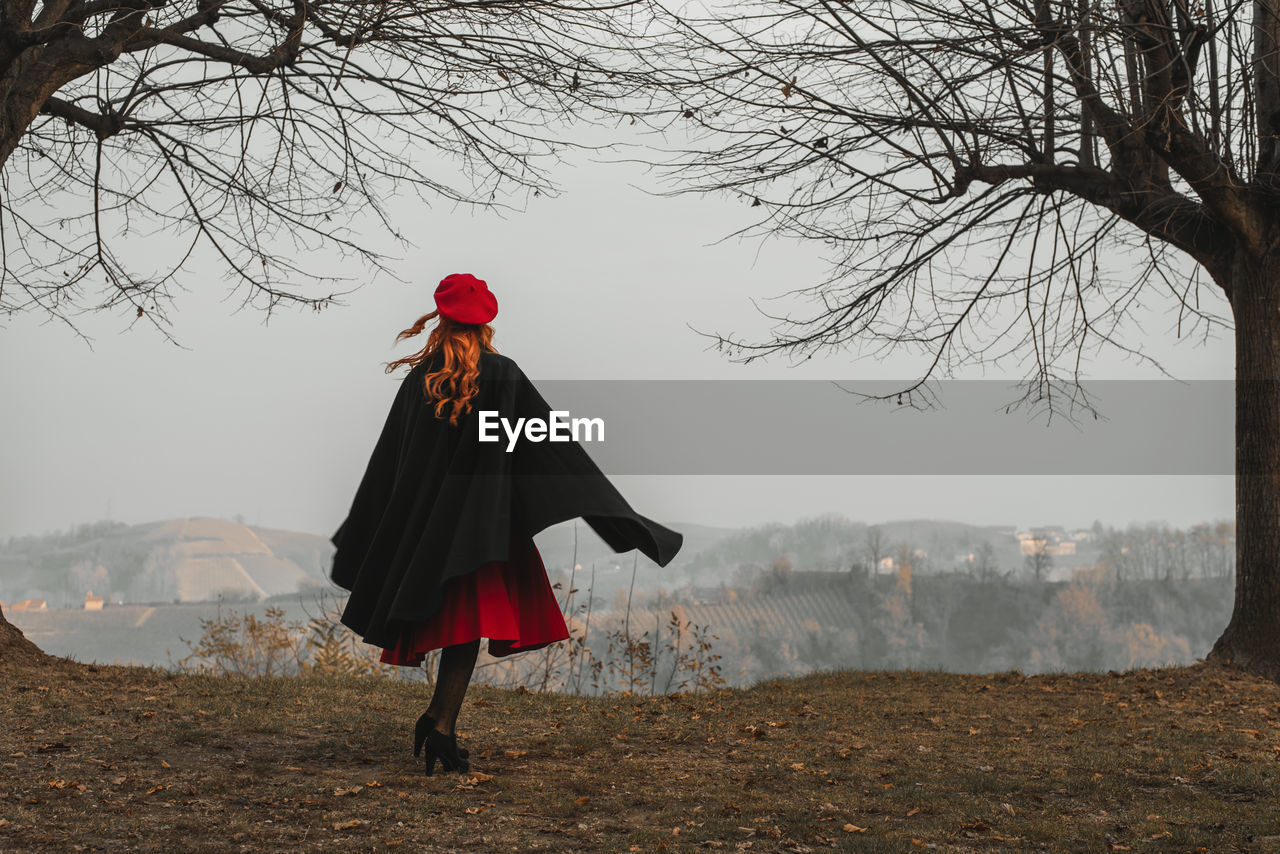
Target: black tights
(457, 662)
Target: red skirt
(509, 602)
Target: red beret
(466, 299)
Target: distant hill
(837, 543)
(201, 559)
(176, 560)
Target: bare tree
(1039, 559)
(877, 548)
(1116, 554)
(1227, 548)
(246, 134)
(1202, 544)
(1014, 176)
(985, 564)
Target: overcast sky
(276, 421)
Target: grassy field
(134, 759)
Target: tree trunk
(1251, 640)
(16, 649)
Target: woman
(437, 549)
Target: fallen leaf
(348, 825)
(1007, 807)
(514, 754)
(582, 801)
(164, 764)
(354, 790)
(853, 828)
(912, 811)
(473, 779)
(474, 810)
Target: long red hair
(461, 344)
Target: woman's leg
(457, 662)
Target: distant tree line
(73, 536)
(954, 621)
(1154, 551)
(1158, 552)
(1142, 595)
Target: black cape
(435, 502)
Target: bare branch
(254, 135)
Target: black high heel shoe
(445, 748)
(425, 724)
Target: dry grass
(134, 759)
